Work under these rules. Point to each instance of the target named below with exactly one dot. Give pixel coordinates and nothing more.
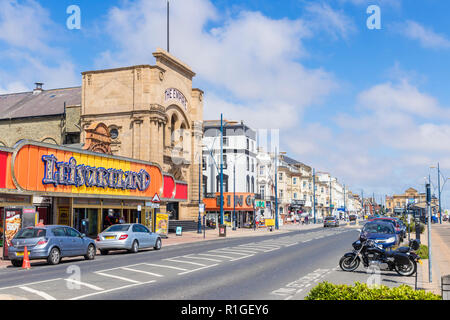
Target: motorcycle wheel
(349, 263)
(406, 270)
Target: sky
(370, 106)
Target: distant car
(382, 232)
(352, 217)
(399, 229)
(330, 221)
(52, 242)
(131, 237)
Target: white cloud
(248, 57)
(335, 22)
(426, 36)
(30, 55)
(403, 97)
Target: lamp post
(427, 187)
(199, 224)
(314, 194)
(276, 190)
(439, 190)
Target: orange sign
(244, 201)
(52, 169)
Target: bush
(423, 252)
(360, 291)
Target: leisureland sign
(73, 174)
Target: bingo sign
(13, 223)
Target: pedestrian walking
(303, 220)
(306, 219)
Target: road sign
(156, 198)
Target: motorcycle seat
(403, 249)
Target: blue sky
(369, 106)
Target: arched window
(225, 183)
(253, 185)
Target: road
(284, 266)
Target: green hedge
(360, 291)
(423, 252)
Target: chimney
(38, 88)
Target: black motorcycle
(403, 260)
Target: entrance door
(86, 221)
(44, 215)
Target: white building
(239, 157)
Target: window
(72, 233)
(225, 183)
(280, 176)
(261, 170)
(294, 180)
(224, 161)
(281, 193)
(248, 164)
(204, 163)
(248, 184)
(253, 166)
(253, 185)
(248, 144)
(114, 133)
(295, 195)
(304, 184)
(59, 232)
(225, 141)
(262, 191)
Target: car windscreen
(378, 228)
(118, 228)
(329, 218)
(30, 233)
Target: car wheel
(16, 263)
(90, 255)
(134, 247)
(158, 244)
(104, 252)
(54, 257)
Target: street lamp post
(314, 194)
(276, 189)
(221, 168)
(199, 225)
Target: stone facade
(156, 114)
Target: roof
(45, 103)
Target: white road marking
(202, 258)
(141, 271)
(165, 266)
(189, 271)
(85, 284)
(229, 251)
(189, 262)
(117, 277)
(39, 293)
(111, 290)
(31, 283)
(215, 255)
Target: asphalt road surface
(284, 266)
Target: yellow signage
(270, 222)
(162, 223)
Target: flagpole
(168, 48)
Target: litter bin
(222, 230)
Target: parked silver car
(50, 242)
(131, 237)
(331, 221)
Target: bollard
(445, 287)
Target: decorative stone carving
(98, 138)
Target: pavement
(440, 258)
